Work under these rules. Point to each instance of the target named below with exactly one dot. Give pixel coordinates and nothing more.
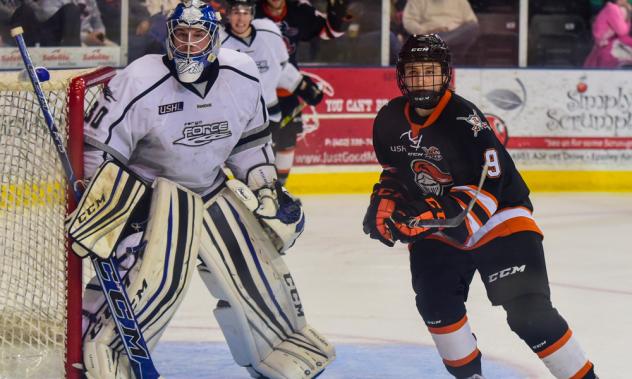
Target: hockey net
(40, 283)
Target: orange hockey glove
(402, 222)
(383, 203)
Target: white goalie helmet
(193, 38)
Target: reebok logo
(506, 272)
(170, 108)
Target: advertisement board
(62, 57)
(574, 124)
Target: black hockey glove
(274, 126)
(337, 14)
(402, 221)
(383, 202)
(309, 91)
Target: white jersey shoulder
(141, 73)
(269, 52)
(266, 25)
(231, 58)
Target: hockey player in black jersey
(433, 146)
(299, 21)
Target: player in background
(299, 21)
(261, 39)
(156, 140)
(433, 145)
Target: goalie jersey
(443, 155)
(266, 47)
(159, 127)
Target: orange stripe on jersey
(463, 361)
(584, 370)
(416, 128)
(478, 200)
(485, 193)
(509, 227)
(556, 346)
(471, 190)
(449, 328)
(282, 92)
(475, 217)
(506, 228)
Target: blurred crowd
(562, 33)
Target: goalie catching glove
(279, 212)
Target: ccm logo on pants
(506, 272)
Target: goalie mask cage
(40, 280)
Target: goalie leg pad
(260, 311)
(157, 280)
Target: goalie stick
(455, 221)
(107, 270)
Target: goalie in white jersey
(261, 39)
(156, 141)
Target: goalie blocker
(259, 308)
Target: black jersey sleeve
(503, 185)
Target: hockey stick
(455, 221)
(287, 119)
(107, 270)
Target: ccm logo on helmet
(420, 49)
(506, 272)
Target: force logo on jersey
(476, 122)
(197, 134)
(429, 178)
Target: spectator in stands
(611, 28)
(138, 20)
(7, 8)
(453, 20)
(92, 27)
(49, 22)
(398, 33)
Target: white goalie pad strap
(260, 312)
(104, 209)
(158, 279)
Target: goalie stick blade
(455, 221)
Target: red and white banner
(572, 119)
(339, 130)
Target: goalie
(156, 141)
